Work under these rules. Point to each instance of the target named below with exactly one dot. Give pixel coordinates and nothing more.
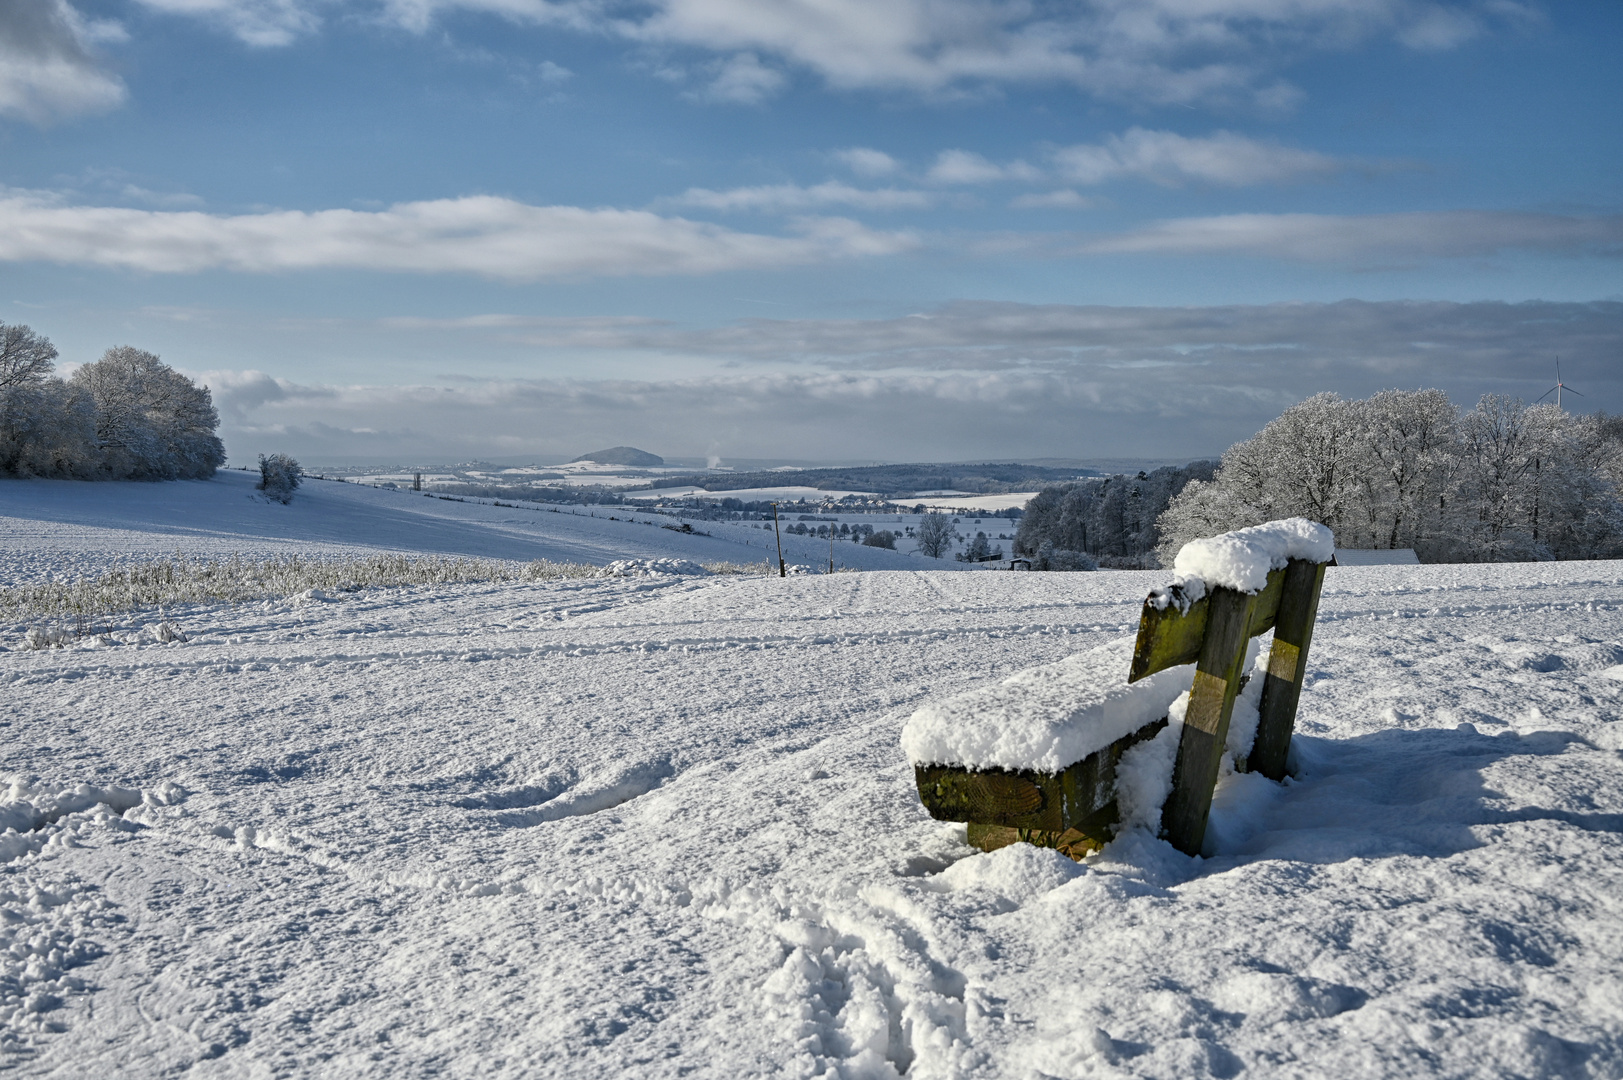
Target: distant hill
(622, 455)
(888, 480)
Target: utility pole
(782, 570)
(831, 549)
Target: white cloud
(263, 23)
(967, 167)
(419, 15)
(1371, 237)
(1215, 52)
(792, 197)
(1063, 199)
(483, 235)
(742, 80)
(865, 161)
(47, 71)
(1440, 28)
(137, 193)
(1167, 158)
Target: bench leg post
(1206, 724)
(1287, 664)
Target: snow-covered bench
(1043, 757)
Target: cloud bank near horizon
(968, 380)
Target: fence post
(782, 571)
(1206, 723)
(1287, 665)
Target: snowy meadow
(663, 825)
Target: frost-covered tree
(1408, 441)
(1533, 484)
(152, 423)
(1306, 462)
(127, 416)
(1406, 469)
(45, 426)
(279, 476)
(935, 534)
(884, 538)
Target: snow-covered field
(62, 527)
(663, 826)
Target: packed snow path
(657, 827)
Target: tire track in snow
(266, 661)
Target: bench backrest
(1212, 633)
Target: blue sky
(890, 230)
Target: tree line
(1111, 521)
(128, 416)
(1501, 482)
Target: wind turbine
(1557, 388)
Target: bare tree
(935, 534)
(26, 358)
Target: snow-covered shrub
(43, 637)
(648, 567)
(884, 538)
(279, 475)
(759, 569)
(1048, 557)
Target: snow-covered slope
(663, 827)
(58, 526)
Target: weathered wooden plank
(1168, 637)
(1267, 608)
(1075, 843)
(1206, 724)
(1048, 806)
(1287, 664)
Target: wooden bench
(1075, 809)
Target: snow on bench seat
(1044, 718)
